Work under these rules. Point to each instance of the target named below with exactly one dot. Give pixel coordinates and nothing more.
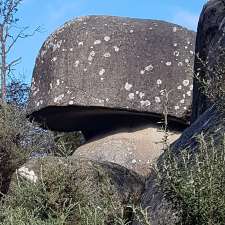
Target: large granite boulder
(136, 150)
(105, 186)
(102, 73)
(209, 33)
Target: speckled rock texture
(208, 41)
(123, 65)
(136, 150)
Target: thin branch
(12, 64)
(22, 35)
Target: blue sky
(51, 14)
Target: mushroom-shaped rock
(207, 39)
(136, 150)
(101, 73)
(106, 187)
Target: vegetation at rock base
(194, 183)
(54, 199)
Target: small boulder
(136, 150)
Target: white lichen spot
(142, 72)
(116, 48)
(186, 82)
(174, 29)
(180, 64)
(157, 99)
(179, 87)
(176, 107)
(57, 82)
(175, 44)
(97, 42)
(145, 103)
(101, 72)
(162, 92)
(184, 96)
(54, 59)
(185, 108)
(182, 101)
(85, 69)
(71, 49)
(43, 52)
(59, 98)
(191, 87)
(70, 102)
(186, 47)
(134, 161)
(29, 174)
(34, 93)
(191, 52)
(168, 63)
(131, 31)
(189, 93)
(137, 92)
(81, 43)
(57, 45)
(77, 63)
(102, 78)
(186, 60)
(149, 67)
(107, 55)
(107, 38)
(128, 86)
(159, 82)
(107, 100)
(176, 53)
(131, 96)
(141, 95)
(91, 55)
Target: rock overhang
(115, 64)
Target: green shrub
(63, 195)
(194, 183)
(19, 140)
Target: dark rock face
(101, 70)
(208, 36)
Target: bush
(63, 195)
(19, 140)
(194, 183)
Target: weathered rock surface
(135, 150)
(100, 69)
(209, 33)
(88, 182)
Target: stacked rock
(113, 78)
